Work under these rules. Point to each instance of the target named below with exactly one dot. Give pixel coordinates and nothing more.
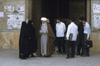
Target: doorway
(65, 9)
(54, 9)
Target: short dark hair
(83, 18)
(80, 18)
(59, 19)
(72, 19)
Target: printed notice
(15, 21)
(96, 22)
(96, 8)
(1, 14)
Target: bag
(87, 44)
(70, 36)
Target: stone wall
(9, 39)
(3, 20)
(95, 35)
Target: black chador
(23, 41)
(32, 40)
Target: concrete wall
(3, 20)
(9, 39)
(95, 35)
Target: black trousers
(79, 44)
(85, 50)
(60, 42)
(70, 45)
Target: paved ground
(10, 58)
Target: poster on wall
(14, 21)
(8, 8)
(1, 14)
(21, 9)
(96, 22)
(96, 8)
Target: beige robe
(50, 40)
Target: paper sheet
(96, 8)
(1, 14)
(15, 21)
(96, 22)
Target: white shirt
(72, 28)
(60, 29)
(87, 29)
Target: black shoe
(27, 56)
(59, 52)
(84, 56)
(81, 54)
(88, 55)
(63, 53)
(23, 58)
(78, 54)
(72, 56)
(67, 57)
(32, 55)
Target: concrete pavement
(10, 58)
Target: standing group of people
(70, 37)
(83, 35)
(28, 45)
(44, 46)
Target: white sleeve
(68, 32)
(56, 26)
(88, 35)
(64, 27)
(89, 31)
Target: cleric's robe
(48, 39)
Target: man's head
(72, 20)
(83, 20)
(44, 19)
(48, 21)
(58, 20)
(80, 19)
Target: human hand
(87, 39)
(67, 39)
(42, 32)
(77, 33)
(45, 32)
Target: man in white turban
(45, 39)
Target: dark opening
(54, 9)
(64, 9)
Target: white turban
(43, 19)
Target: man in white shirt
(60, 30)
(87, 31)
(72, 29)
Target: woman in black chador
(32, 41)
(23, 41)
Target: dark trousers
(60, 42)
(85, 50)
(70, 45)
(79, 45)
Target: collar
(60, 23)
(72, 22)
